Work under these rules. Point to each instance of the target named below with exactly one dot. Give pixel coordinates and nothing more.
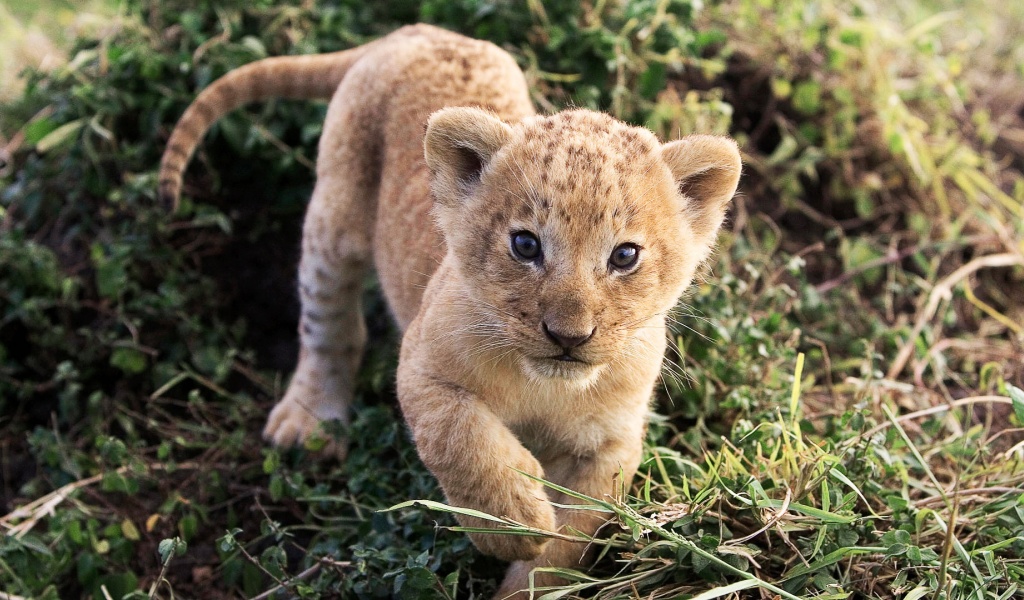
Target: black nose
(564, 340)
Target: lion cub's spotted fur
(432, 197)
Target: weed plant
(839, 415)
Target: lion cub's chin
(579, 375)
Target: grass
(840, 415)
(34, 34)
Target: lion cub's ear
(707, 170)
(459, 144)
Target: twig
(970, 492)
(947, 546)
(771, 521)
(280, 586)
(40, 507)
(250, 374)
(175, 544)
(258, 565)
(222, 38)
(894, 257)
(934, 410)
(283, 147)
(888, 259)
(44, 505)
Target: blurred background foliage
(877, 236)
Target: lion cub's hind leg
(336, 253)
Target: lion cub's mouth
(568, 358)
(566, 368)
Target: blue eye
(624, 256)
(525, 245)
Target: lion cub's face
(574, 231)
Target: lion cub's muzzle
(567, 339)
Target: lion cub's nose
(565, 340)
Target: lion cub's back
(410, 74)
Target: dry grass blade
(943, 291)
(44, 506)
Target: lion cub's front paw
(299, 417)
(510, 547)
(529, 507)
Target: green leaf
(187, 526)
(781, 88)
(810, 511)
(859, 252)
(129, 360)
(276, 487)
(918, 592)
(272, 461)
(506, 530)
(830, 559)
(652, 80)
(130, 531)
(227, 542)
(34, 544)
(60, 136)
(807, 97)
(38, 129)
(914, 554)
(1017, 397)
(699, 562)
(896, 550)
(111, 271)
(74, 531)
(115, 585)
(432, 505)
(592, 503)
(315, 443)
(165, 549)
(115, 482)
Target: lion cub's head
(573, 231)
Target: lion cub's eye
(525, 245)
(624, 256)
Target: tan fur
(477, 379)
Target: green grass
(839, 416)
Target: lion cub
(530, 261)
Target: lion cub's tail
(298, 77)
